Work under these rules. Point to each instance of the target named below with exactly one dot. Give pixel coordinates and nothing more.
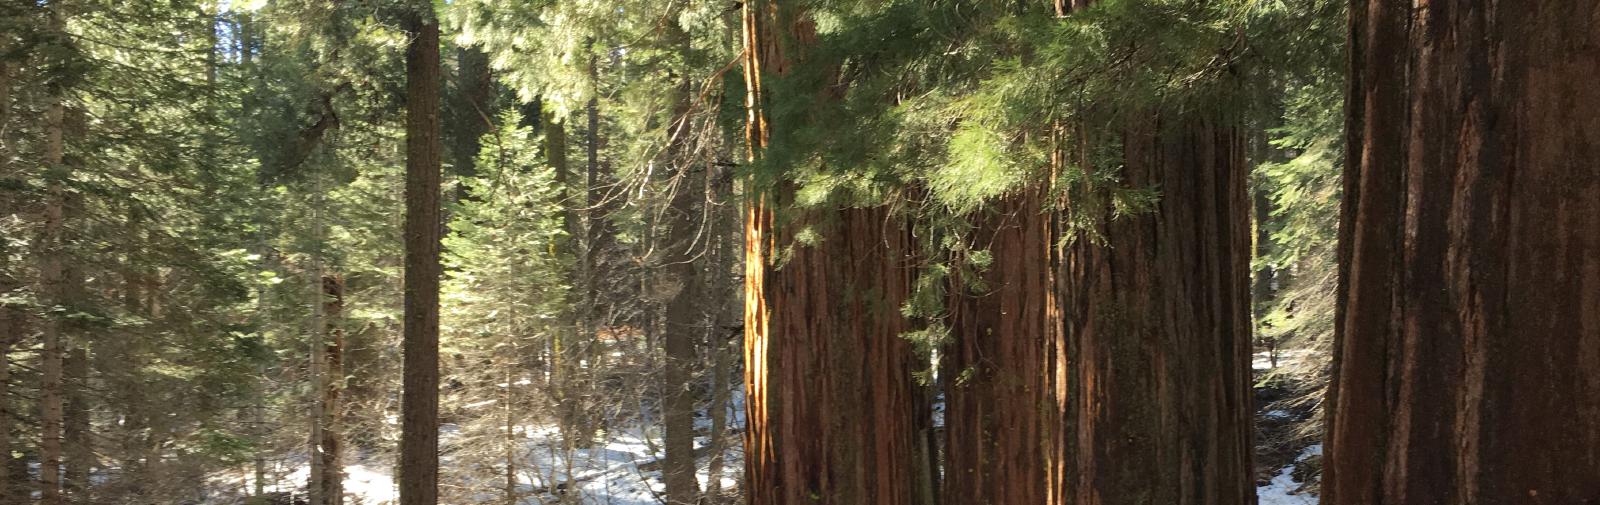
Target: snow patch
(1284, 490)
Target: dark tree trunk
(77, 438)
(419, 430)
(473, 112)
(52, 289)
(1157, 400)
(331, 447)
(12, 323)
(681, 280)
(718, 289)
(1467, 365)
(684, 322)
(997, 369)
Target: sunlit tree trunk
(1467, 366)
(830, 398)
(419, 425)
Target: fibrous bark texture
(833, 410)
(831, 402)
(998, 369)
(1468, 342)
(1156, 403)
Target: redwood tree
(1156, 404)
(1468, 340)
(997, 369)
(831, 401)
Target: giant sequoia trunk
(419, 425)
(831, 397)
(1156, 405)
(997, 369)
(831, 402)
(1468, 346)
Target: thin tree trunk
(509, 441)
(718, 290)
(78, 439)
(11, 319)
(579, 390)
(318, 369)
(129, 357)
(1261, 284)
(1467, 353)
(473, 112)
(684, 320)
(419, 443)
(77, 444)
(331, 445)
(681, 271)
(10, 329)
(51, 402)
(562, 364)
(258, 407)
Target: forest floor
(623, 468)
(1287, 461)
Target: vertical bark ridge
(830, 397)
(1471, 254)
(1158, 330)
(998, 369)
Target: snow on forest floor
(1283, 489)
(611, 473)
(623, 468)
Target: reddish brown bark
(830, 398)
(998, 369)
(419, 425)
(1468, 348)
(1157, 402)
(830, 376)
